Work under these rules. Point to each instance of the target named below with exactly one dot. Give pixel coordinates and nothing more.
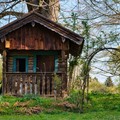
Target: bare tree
(48, 8)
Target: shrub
(75, 97)
(106, 101)
(57, 85)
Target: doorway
(45, 63)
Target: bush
(106, 101)
(57, 85)
(98, 87)
(95, 86)
(75, 97)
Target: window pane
(21, 65)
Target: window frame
(54, 53)
(15, 61)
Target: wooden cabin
(33, 49)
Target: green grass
(100, 107)
(106, 115)
(106, 101)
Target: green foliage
(86, 29)
(19, 105)
(114, 62)
(72, 63)
(29, 97)
(106, 101)
(36, 100)
(76, 85)
(98, 103)
(57, 83)
(10, 99)
(106, 115)
(96, 87)
(75, 97)
(72, 22)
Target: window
(20, 64)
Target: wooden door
(45, 63)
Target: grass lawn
(30, 107)
(106, 115)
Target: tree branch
(13, 13)
(7, 2)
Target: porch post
(4, 73)
(64, 71)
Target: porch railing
(30, 83)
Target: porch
(30, 83)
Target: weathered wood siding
(12, 54)
(30, 63)
(1, 46)
(29, 41)
(10, 64)
(30, 55)
(16, 83)
(36, 38)
(30, 83)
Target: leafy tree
(114, 62)
(109, 82)
(98, 27)
(97, 87)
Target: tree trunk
(48, 8)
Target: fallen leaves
(21, 104)
(30, 110)
(66, 105)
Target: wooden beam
(4, 73)
(64, 70)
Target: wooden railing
(30, 83)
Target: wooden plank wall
(62, 68)
(1, 47)
(10, 64)
(35, 38)
(29, 54)
(10, 59)
(30, 63)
